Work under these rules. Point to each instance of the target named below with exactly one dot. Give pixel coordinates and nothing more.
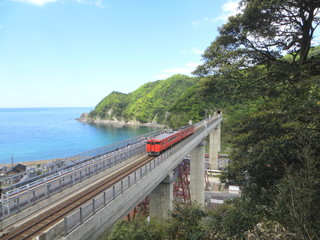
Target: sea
(30, 134)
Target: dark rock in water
(84, 115)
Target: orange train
(167, 139)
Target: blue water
(28, 134)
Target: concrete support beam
(214, 147)
(197, 173)
(160, 199)
(219, 137)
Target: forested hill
(264, 73)
(154, 102)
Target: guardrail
(82, 157)
(18, 199)
(76, 218)
(39, 189)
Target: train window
(157, 143)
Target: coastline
(117, 123)
(31, 163)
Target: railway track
(42, 222)
(37, 225)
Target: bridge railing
(27, 195)
(76, 218)
(16, 200)
(80, 159)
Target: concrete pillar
(219, 136)
(160, 199)
(197, 160)
(214, 147)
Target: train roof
(167, 134)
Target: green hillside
(154, 102)
(264, 74)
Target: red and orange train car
(162, 142)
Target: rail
(80, 159)
(18, 199)
(76, 218)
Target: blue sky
(72, 53)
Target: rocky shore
(115, 122)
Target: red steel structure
(181, 187)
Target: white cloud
(189, 67)
(181, 70)
(192, 65)
(315, 41)
(228, 9)
(98, 3)
(231, 7)
(197, 51)
(195, 23)
(162, 76)
(38, 2)
(199, 22)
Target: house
(16, 169)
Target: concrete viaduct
(155, 180)
(158, 183)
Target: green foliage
(151, 102)
(112, 105)
(189, 106)
(296, 204)
(233, 220)
(190, 221)
(273, 105)
(266, 230)
(186, 222)
(139, 229)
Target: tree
(232, 220)
(247, 54)
(138, 229)
(296, 204)
(261, 60)
(245, 64)
(186, 222)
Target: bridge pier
(197, 156)
(214, 147)
(160, 199)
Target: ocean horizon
(33, 134)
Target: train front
(153, 147)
